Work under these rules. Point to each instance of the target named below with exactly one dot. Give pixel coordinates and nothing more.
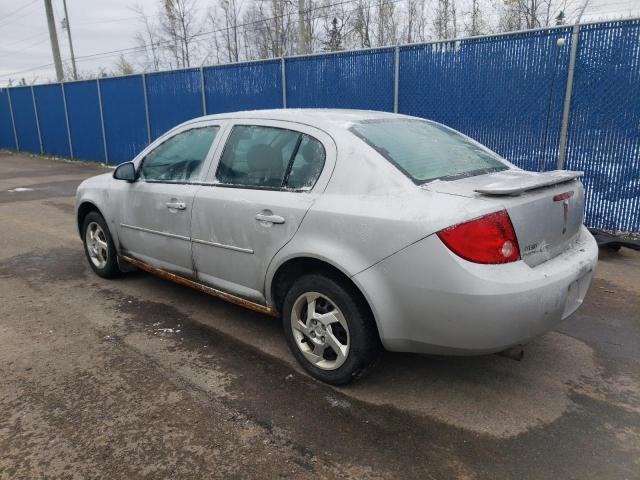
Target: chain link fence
(543, 99)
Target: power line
(16, 11)
(39, 42)
(121, 19)
(197, 37)
(30, 37)
(111, 53)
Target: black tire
(110, 268)
(364, 341)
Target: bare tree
(305, 26)
(387, 23)
(528, 14)
(225, 18)
(273, 28)
(362, 23)
(315, 20)
(148, 40)
(442, 24)
(415, 21)
(123, 67)
(454, 17)
(180, 29)
(476, 21)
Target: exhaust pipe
(514, 353)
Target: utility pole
(53, 37)
(67, 25)
(302, 29)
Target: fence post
(396, 80)
(146, 106)
(566, 108)
(104, 134)
(13, 120)
(284, 82)
(203, 92)
(35, 112)
(66, 120)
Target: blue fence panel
(604, 129)
(84, 120)
(7, 140)
(506, 92)
(249, 86)
(25, 118)
(125, 121)
(173, 98)
(346, 80)
(53, 127)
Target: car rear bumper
(427, 300)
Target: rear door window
(426, 151)
(269, 157)
(307, 164)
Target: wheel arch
(83, 210)
(288, 271)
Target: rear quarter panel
(368, 211)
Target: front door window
(180, 158)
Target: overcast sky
(100, 26)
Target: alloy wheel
(97, 245)
(320, 330)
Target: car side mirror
(126, 171)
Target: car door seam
(222, 245)
(156, 232)
(264, 286)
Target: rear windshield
(426, 151)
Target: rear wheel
(329, 329)
(99, 247)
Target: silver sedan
(360, 229)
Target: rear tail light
(489, 239)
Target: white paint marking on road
(20, 189)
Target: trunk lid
(546, 209)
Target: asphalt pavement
(141, 378)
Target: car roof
(319, 117)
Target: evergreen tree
(334, 38)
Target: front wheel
(329, 329)
(99, 247)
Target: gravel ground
(141, 378)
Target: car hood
(99, 181)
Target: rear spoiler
(516, 182)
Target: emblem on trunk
(564, 198)
(538, 247)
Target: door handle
(176, 205)
(269, 218)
